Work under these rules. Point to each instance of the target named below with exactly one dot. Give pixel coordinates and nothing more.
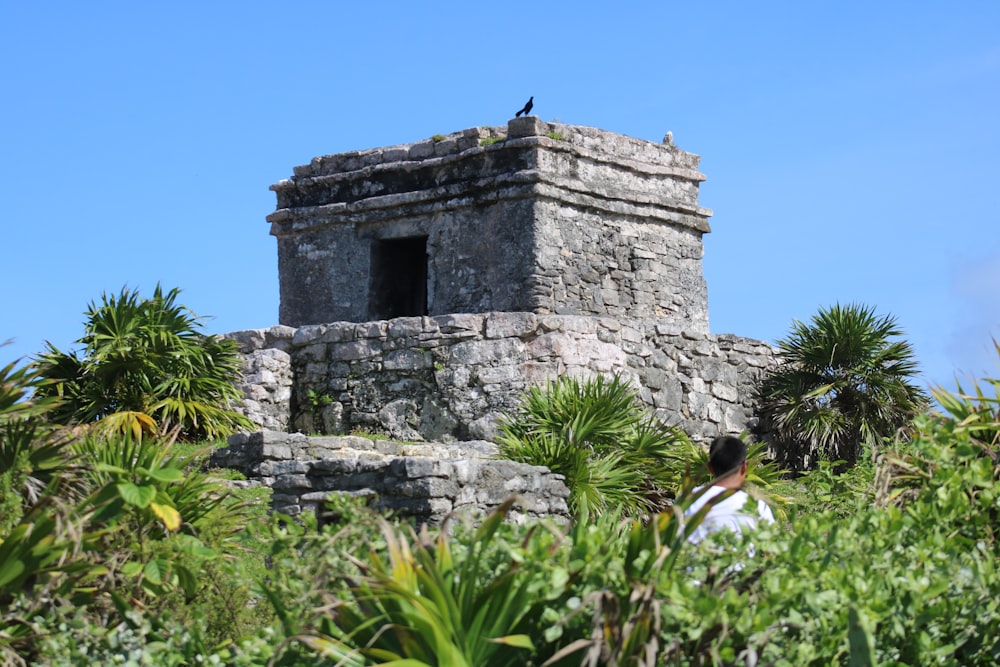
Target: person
(727, 460)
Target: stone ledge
(424, 480)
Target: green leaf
(10, 570)
(166, 474)
(192, 545)
(107, 467)
(131, 568)
(154, 571)
(860, 640)
(133, 494)
(188, 581)
(518, 641)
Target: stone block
(446, 146)
(504, 325)
(500, 375)
(407, 359)
(290, 482)
(483, 352)
(386, 447)
(421, 151)
(353, 351)
(394, 154)
(426, 487)
(405, 327)
(345, 464)
(276, 468)
(725, 392)
(307, 334)
(460, 323)
(284, 498)
(416, 467)
(439, 507)
(465, 470)
(276, 451)
(371, 461)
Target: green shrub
(34, 457)
(614, 455)
(908, 575)
(833, 486)
(493, 594)
(145, 368)
(95, 520)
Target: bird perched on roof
(527, 107)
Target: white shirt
(735, 513)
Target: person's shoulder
(702, 495)
(764, 511)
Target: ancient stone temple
(425, 286)
(533, 218)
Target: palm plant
(612, 452)
(844, 384)
(145, 366)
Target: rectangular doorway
(399, 278)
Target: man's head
(727, 455)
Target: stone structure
(424, 286)
(267, 376)
(427, 482)
(447, 378)
(546, 219)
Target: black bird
(527, 107)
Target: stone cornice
(651, 181)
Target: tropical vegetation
(118, 546)
(99, 525)
(614, 454)
(145, 366)
(844, 387)
(900, 571)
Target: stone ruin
(425, 286)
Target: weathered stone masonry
(424, 286)
(426, 482)
(447, 378)
(589, 223)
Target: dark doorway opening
(399, 278)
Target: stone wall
(426, 482)
(620, 266)
(266, 380)
(549, 218)
(425, 286)
(447, 378)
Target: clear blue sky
(851, 148)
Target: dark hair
(726, 454)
